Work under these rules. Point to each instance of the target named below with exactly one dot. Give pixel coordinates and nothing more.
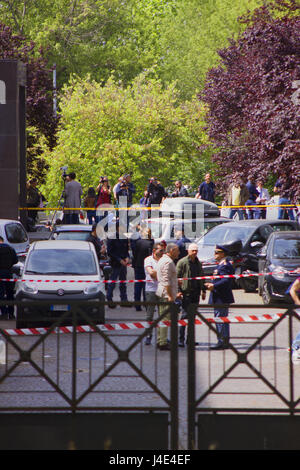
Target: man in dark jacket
(221, 293)
(188, 268)
(117, 251)
(156, 192)
(141, 249)
(8, 258)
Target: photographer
(103, 199)
(125, 189)
(72, 194)
(156, 192)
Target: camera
(64, 169)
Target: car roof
(286, 234)
(61, 245)
(7, 221)
(258, 222)
(176, 220)
(73, 228)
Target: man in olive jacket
(188, 268)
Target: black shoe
(181, 344)
(148, 340)
(164, 347)
(111, 304)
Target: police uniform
(222, 294)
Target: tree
(39, 108)
(253, 119)
(113, 129)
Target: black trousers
(6, 291)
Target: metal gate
(113, 351)
(103, 379)
(250, 398)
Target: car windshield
(286, 248)
(225, 234)
(71, 236)
(15, 233)
(70, 262)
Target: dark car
(280, 257)
(253, 234)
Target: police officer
(221, 293)
(8, 258)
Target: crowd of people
(248, 200)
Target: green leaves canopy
(142, 128)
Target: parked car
(253, 234)
(279, 256)
(191, 208)
(15, 235)
(60, 261)
(79, 232)
(71, 232)
(164, 228)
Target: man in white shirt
(262, 199)
(150, 265)
(167, 290)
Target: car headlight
(29, 287)
(278, 272)
(92, 289)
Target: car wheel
(266, 295)
(249, 284)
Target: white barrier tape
(142, 325)
(230, 276)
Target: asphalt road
(48, 382)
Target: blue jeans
(240, 213)
(281, 210)
(251, 211)
(222, 328)
(118, 272)
(91, 216)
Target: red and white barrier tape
(231, 276)
(142, 325)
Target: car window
(15, 233)
(71, 236)
(224, 234)
(282, 227)
(286, 248)
(58, 262)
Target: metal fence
(85, 367)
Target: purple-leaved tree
(254, 101)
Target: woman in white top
(262, 199)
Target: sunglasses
(218, 251)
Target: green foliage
(140, 128)
(101, 37)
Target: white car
(15, 235)
(60, 261)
